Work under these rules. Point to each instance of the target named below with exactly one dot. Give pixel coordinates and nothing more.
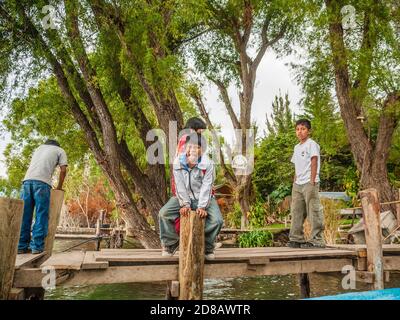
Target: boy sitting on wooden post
(194, 175)
(305, 197)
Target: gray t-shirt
(303, 152)
(44, 161)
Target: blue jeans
(170, 211)
(36, 195)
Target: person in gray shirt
(36, 194)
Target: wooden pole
(56, 203)
(304, 280)
(11, 211)
(373, 235)
(191, 257)
(98, 232)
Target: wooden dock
(185, 271)
(147, 265)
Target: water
(245, 288)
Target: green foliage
(280, 193)
(234, 217)
(257, 215)
(256, 238)
(273, 153)
(281, 117)
(351, 184)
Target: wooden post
(56, 203)
(98, 231)
(191, 257)
(172, 290)
(304, 280)
(11, 211)
(373, 235)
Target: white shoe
(218, 245)
(210, 256)
(165, 253)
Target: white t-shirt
(302, 160)
(44, 160)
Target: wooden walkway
(147, 265)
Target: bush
(256, 238)
(234, 217)
(257, 215)
(331, 209)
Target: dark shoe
(36, 251)
(310, 245)
(169, 251)
(293, 244)
(23, 251)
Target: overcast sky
(273, 75)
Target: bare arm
(314, 166)
(63, 173)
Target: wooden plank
(65, 260)
(258, 260)
(229, 256)
(67, 236)
(391, 263)
(174, 289)
(191, 257)
(155, 273)
(256, 249)
(28, 260)
(33, 277)
(373, 235)
(17, 294)
(362, 263)
(232, 270)
(89, 262)
(11, 211)
(387, 248)
(56, 202)
(129, 274)
(365, 276)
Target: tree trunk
(131, 215)
(243, 198)
(369, 156)
(376, 177)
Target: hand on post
(201, 212)
(184, 211)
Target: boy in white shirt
(305, 197)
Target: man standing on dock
(36, 194)
(305, 198)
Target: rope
(83, 242)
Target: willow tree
(238, 35)
(352, 48)
(116, 70)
